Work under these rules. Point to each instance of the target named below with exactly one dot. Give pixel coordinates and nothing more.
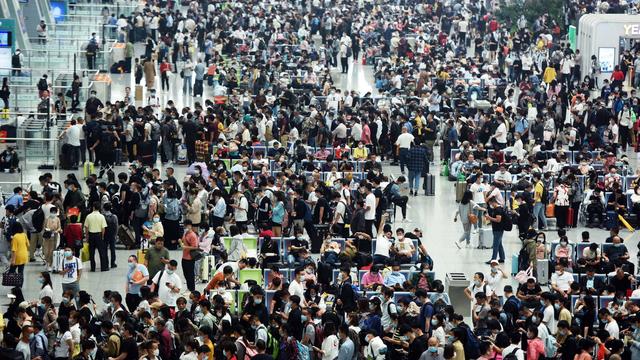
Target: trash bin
(454, 284)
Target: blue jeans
(498, 249)
(414, 180)
(480, 214)
(539, 215)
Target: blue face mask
(433, 349)
(303, 318)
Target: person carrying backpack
(514, 351)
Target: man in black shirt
(417, 341)
(129, 348)
(321, 210)
(496, 216)
(294, 322)
(93, 105)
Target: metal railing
(35, 151)
(119, 8)
(28, 96)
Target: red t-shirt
(618, 75)
(190, 239)
(72, 232)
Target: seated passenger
(9, 160)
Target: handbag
(12, 279)
(473, 218)
(550, 210)
(196, 254)
(47, 234)
(523, 275)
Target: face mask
(617, 245)
(92, 353)
(434, 322)
(65, 300)
(156, 219)
(534, 319)
(31, 336)
(564, 243)
(68, 253)
(156, 352)
(304, 318)
(494, 270)
(425, 271)
(224, 353)
(132, 265)
(556, 306)
(196, 173)
(433, 349)
(257, 301)
(41, 306)
(372, 307)
(309, 271)
(170, 272)
(152, 328)
(476, 282)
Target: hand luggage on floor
(514, 264)
(65, 157)
(12, 279)
(207, 265)
(88, 169)
(612, 220)
(127, 236)
(550, 211)
(84, 253)
(461, 187)
(58, 259)
(570, 215)
(485, 238)
(138, 94)
(429, 185)
(542, 271)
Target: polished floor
(434, 215)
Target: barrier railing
(41, 151)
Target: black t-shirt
(494, 212)
(262, 357)
(378, 193)
(130, 347)
(322, 203)
(489, 169)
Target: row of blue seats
(578, 248)
(284, 243)
(571, 155)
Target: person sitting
(564, 250)
(591, 284)
(618, 255)
(330, 251)
(372, 279)
(9, 160)
(404, 248)
(590, 257)
(395, 278)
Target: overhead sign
(631, 29)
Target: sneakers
(474, 231)
(458, 245)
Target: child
(73, 235)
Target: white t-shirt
(549, 320)
(562, 281)
(509, 349)
(478, 191)
(164, 293)
(73, 265)
(62, 350)
(613, 329)
(73, 135)
(383, 245)
(370, 201)
(340, 209)
(502, 130)
(404, 140)
(241, 214)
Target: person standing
(71, 272)
(156, 257)
(95, 225)
(344, 57)
(417, 162)
(187, 76)
(16, 63)
(165, 69)
(495, 215)
(561, 201)
(539, 208)
(111, 231)
(149, 70)
(466, 207)
(403, 144)
(199, 70)
(19, 250)
(137, 276)
(167, 284)
(73, 138)
(189, 242)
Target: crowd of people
(287, 215)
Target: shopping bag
(550, 211)
(84, 253)
(12, 279)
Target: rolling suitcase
(570, 215)
(58, 259)
(461, 187)
(207, 264)
(127, 236)
(429, 185)
(514, 264)
(138, 93)
(88, 169)
(542, 271)
(485, 238)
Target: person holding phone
(168, 284)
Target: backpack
(112, 224)
(523, 259)
(550, 346)
(155, 131)
(385, 200)
(172, 210)
(308, 214)
(507, 222)
(15, 60)
(42, 85)
(348, 213)
(472, 348)
(319, 336)
(37, 220)
(303, 351)
(273, 345)
(142, 209)
(545, 194)
(512, 355)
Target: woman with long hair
(465, 209)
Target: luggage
(140, 254)
(12, 279)
(182, 154)
(58, 260)
(207, 265)
(118, 157)
(127, 236)
(429, 185)
(88, 169)
(461, 187)
(570, 215)
(514, 264)
(138, 93)
(542, 271)
(485, 238)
